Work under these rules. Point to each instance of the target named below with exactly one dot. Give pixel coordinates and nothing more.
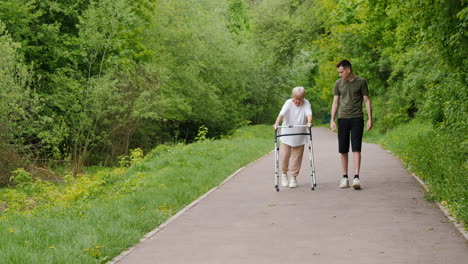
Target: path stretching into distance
(246, 221)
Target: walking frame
(313, 180)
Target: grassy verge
(92, 218)
(438, 158)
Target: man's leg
(357, 162)
(344, 163)
(357, 129)
(344, 183)
(344, 130)
(357, 166)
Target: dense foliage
(413, 53)
(83, 81)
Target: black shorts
(355, 126)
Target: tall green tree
(17, 103)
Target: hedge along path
(246, 221)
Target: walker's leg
(312, 165)
(313, 169)
(276, 167)
(312, 184)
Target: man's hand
(275, 126)
(369, 124)
(332, 125)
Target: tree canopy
(83, 81)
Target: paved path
(247, 221)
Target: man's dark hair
(344, 64)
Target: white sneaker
(284, 180)
(293, 183)
(356, 183)
(344, 183)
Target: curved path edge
(181, 212)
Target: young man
(295, 111)
(349, 93)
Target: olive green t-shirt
(350, 97)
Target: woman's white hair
(298, 91)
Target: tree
(17, 104)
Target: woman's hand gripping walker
(311, 153)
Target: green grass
(96, 224)
(437, 157)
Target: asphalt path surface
(246, 221)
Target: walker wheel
(313, 188)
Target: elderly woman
(295, 111)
